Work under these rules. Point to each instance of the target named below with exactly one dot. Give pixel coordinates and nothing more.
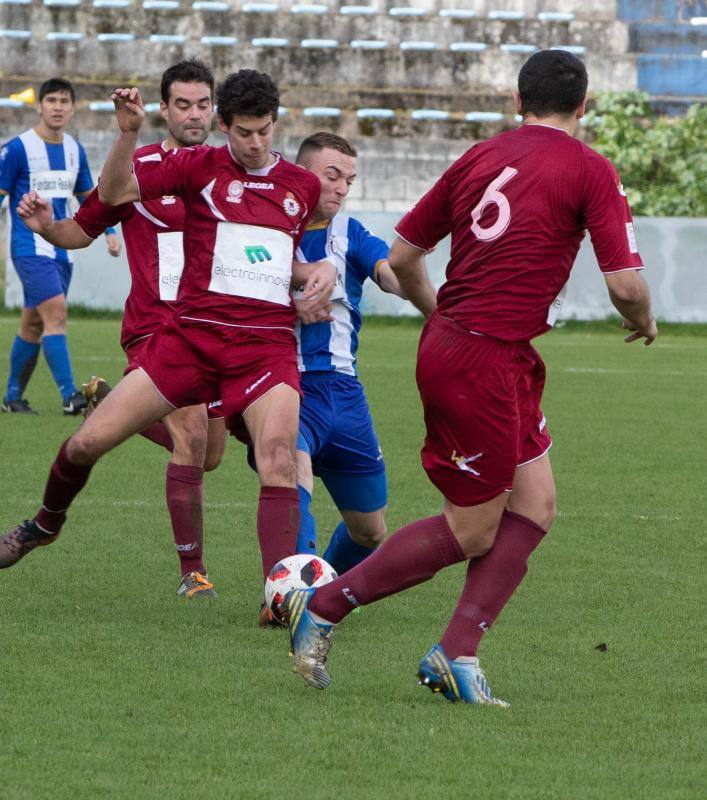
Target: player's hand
(36, 212)
(313, 310)
(114, 244)
(647, 330)
(129, 109)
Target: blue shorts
(42, 277)
(336, 430)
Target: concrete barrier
(674, 250)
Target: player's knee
(84, 448)
(475, 542)
(276, 461)
(370, 531)
(190, 444)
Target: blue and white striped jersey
(56, 171)
(332, 346)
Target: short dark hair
(56, 85)
(552, 82)
(320, 141)
(189, 71)
(247, 93)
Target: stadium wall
(674, 250)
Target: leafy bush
(662, 160)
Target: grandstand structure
(412, 85)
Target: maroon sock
(278, 524)
(65, 481)
(410, 556)
(158, 433)
(490, 581)
(185, 501)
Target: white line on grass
(605, 371)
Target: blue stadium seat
(219, 41)
(468, 47)
(62, 3)
(167, 38)
(577, 50)
(321, 111)
(556, 16)
(518, 48)
(282, 111)
(13, 34)
(14, 3)
(6, 102)
(458, 13)
(369, 44)
(111, 3)
(375, 113)
(316, 44)
(210, 5)
(432, 114)
(406, 11)
(260, 8)
(101, 105)
(358, 11)
(308, 9)
(265, 41)
(506, 15)
(152, 108)
(415, 45)
(116, 37)
(483, 116)
(160, 5)
(64, 36)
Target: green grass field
(111, 688)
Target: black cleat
(15, 544)
(75, 404)
(17, 407)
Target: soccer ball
(295, 572)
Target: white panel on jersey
(53, 183)
(556, 306)
(170, 248)
(252, 261)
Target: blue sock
(342, 552)
(56, 351)
(307, 535)
(23, 360)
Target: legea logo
(257, 254)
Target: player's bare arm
(408, 265)
(38, 216)
(388, 280)
(629, 294)
(117, 184)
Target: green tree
(662, 160)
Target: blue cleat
(309, 641)
(461, 680)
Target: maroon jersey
(517, 207)
(241, 229)
(153, 241)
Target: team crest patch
(235, 191)
(290, 204)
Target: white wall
(674, 250)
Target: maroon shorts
(195, 362)
(481, 399)
(135, 352)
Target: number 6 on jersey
(494, 196)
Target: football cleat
(94, 391)
(266, 619)
(74, 405)
(309, 641)
(15, 544)
(461, 680)
(195, 584)
(17, 407)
